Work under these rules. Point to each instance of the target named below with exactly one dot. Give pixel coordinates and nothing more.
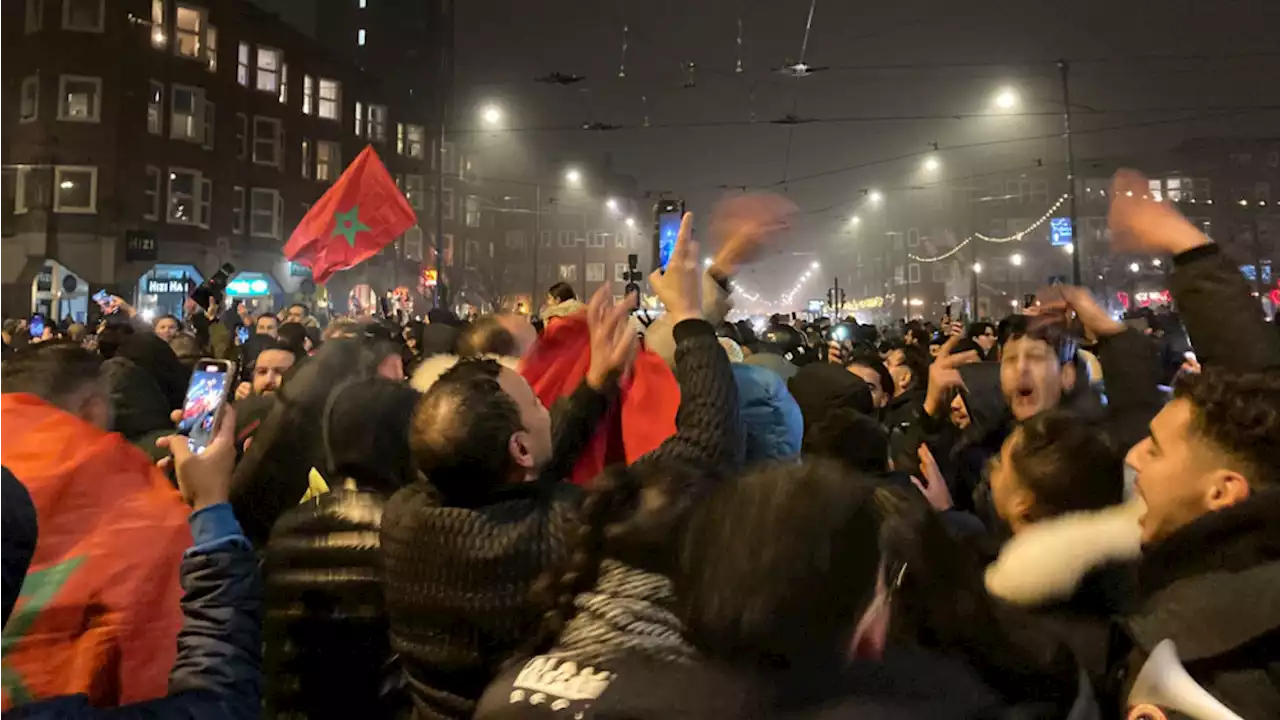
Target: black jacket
(217, 674)
(327, 650)
(1223, 319)
(458, 578)
(1213, 587)
(906, 683)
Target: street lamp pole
(537, 240)
(1063, 71)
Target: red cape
(644, 417)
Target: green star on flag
(348, 225)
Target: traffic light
(632, 275)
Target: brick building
(146, 142)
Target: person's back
(99, 611)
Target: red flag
(361, 214)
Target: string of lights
(988, 238)
(787, 299)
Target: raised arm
(1223, 319)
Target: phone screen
(37, 326)
(205, 395)
(103, 298)
(668, 231)
(242, 334)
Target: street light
(1134, 267)
(815, 265)
(875, 197)
(1006, 99)
(573, 176)
(631, 222)
(855, 220)
(1156, 263)
(1016, 259)
(931, 164)
(977, 268)
(611, 204)
(491, 115)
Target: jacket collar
(1215, 584)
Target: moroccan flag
(361, 214)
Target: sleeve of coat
(1223, 319)
(1131, 372)
(716, 304)
(573, 421)
(708, 428)
(220, 646)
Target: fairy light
(1016, 237)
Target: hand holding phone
(205, 477)
(206, 394)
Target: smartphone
(242, 335)
(205, 396)
(103, 298)
(1028, 300)
(667, 214)
(36, 327)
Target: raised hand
(743, 226)
(680, 287)
(944, 376)
(934, 487)
(613, 339)
(204, 479)
(1096, 321)
(1141, 224)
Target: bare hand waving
(613, 339)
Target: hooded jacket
(99, 611)
(139, 410)
(771, 419)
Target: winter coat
(327, 650)
(458, 578)
(639, 687)
(1223, 319)
(99, 609)
(1213, 587)
(771, 419)
(218, 673)
(716, 304)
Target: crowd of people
(595, 515)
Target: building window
(184, 197)
(79, 98)
(448, 158)
(471, 211)
(568, 272)
(377, 123)
(242, 135)
(268, 76)
(413, 244)
(360, 37)
(190, 25)
(597, 239)
(913, 238)
(409, 140)
(359, 123)
(566, 238)
(151, 193)
(265, 214)
(155, 108)
(211, 48)
(913, 272)
(515, 239)
(266, 141)
(34, 18)
(237, 210)
(308, 95)
(328, 160)
(470, 250)
(447, 199)
(82, 15)
(29, 105)
(620, 240)
(187, 116)
(242, 64)
(30, 185)
(546, 238)
(209, 111)
(330, 99)
(595, 272)
(363, 4)
(77, 189)
(206, 202)
(620, 271)
(284, 84)
(415, 190)
(306, 158)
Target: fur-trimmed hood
(1047, 562)
(430, 370)
(564, 309)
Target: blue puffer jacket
(771, 418)
(218, 671)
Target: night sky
(955, 55)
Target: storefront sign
(248, 287)
(1059, 232)
(139, 246)
(159, 286)
(299, 270)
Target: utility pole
(537, 240)
(1064, 69)
(443, 87)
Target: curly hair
(1238, 414)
